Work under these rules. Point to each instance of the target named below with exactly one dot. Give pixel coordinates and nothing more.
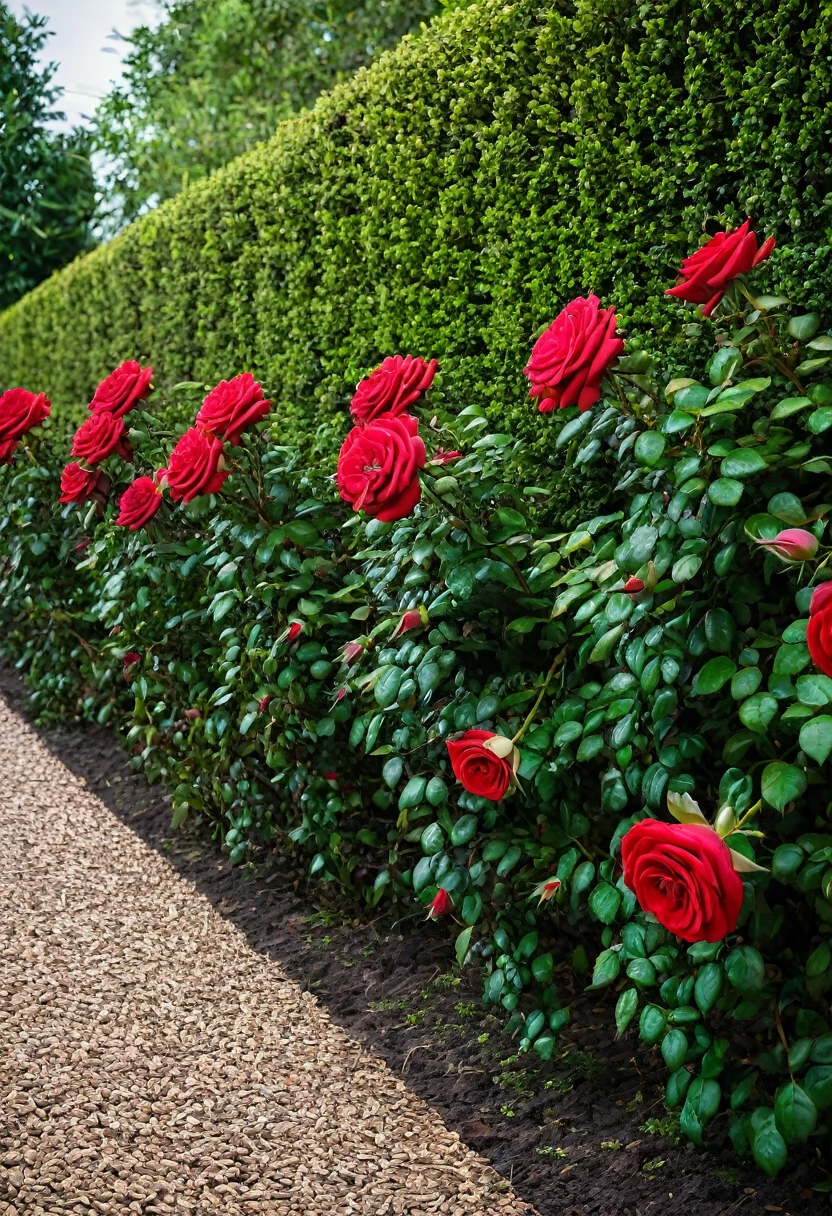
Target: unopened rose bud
(264, 702)
(445, 457)
(633, 586)
(725, 821)
(547, 890)
(193, 715)
(411, 620)
(82, 544)
(792, 544)
(440, 905)
(339, 696)
(330, 776)
(352, 651)
(294, 630)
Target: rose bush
(318, 670)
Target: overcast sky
(88, 58)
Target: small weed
(552, 1152)
(613, 1145)
(384, 1005)
(667, 1128)
(483, 1038)
(326, 918)
(507, 1111)
(725, 1174)
(415, 1019)
(466, 1011)
(637, 1100)
(521, 1080)
(651, 1168)
(447, 981)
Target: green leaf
(710, 678)
(720, 630)
(790, 659)
(464, 830)
(816, 738)
(820, 420)
(804, 327)
(625, 1009)
(708, 986)
(767, 1145)
(724, 364)
(791, 405)
(604, 903)
(301, 532)
(795, 1113)
(412, 793)
(782, 783)
(432, 839)
(651, 1026)
(543, 968)
(743, 462)
(745, 970)
(674, 1048)
(545, 1045)
(726, 492)
(607, 967)
(686, 567)
(462, 943)
(815, 690)
(649, 448)
(605, 645)
(758, 711)
(746, 682)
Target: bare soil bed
(583, 1134)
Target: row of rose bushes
(446, 704)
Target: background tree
(216, 76)
(47, 193)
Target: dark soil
(578, 1135)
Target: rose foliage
(611, 742)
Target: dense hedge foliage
(305, 679)
(452, 196)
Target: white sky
(89, 61)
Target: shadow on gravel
(584, 1134)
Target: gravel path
(151, 1062)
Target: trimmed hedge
(452, 197)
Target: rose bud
(445, 457)
(264, 702)
(411, 620)
(633, 586)
(792, 544)
(330, 776)
(352, 651)
(547, 890)
(83, 543)
(294, 630)
(339, 696)
(440, 905)
(127, 664)
(193, 715)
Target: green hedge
(448, 201)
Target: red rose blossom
(440, 905)
(7, 447)
(193, 467)
(139, 503)
(77, 484)
(378, 467)
(393, 387)
(705, 275)
(568, 361)
(99, 436)
(20, 410)
(683, 874)
(124, 388)
(231, 407)
(819, 629)
(480, 770)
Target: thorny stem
(559, 657)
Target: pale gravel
(151, 1062)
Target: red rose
(706, 274)
(139, 503)
(819, 629)
(193, 467)
(378, 467)
(482, 771)
(99, 436)
(231, 407)
(122, 389)
(440, 905)
(569, 360)
(393, 387)
(20, 410)
(683, 874)
(77, 484)
(7, 447)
